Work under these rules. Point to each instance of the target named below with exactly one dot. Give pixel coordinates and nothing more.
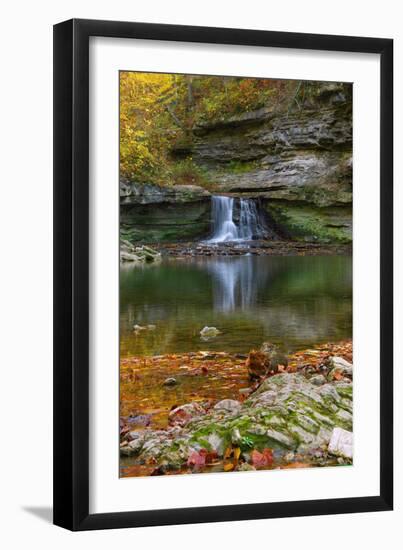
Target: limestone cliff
(152, 213)
(298, 161)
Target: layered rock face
(299, 163)
(296, 162)
(152, 213)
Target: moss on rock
(310, 223)
(300, 418)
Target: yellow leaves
(142, 149)
(229, 465)
(228, 452)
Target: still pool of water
(293, 301)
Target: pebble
(170, 382)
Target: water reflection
(231, 280)
(293, 301)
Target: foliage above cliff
(159, 111)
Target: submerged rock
(209, 332)
(170, 381)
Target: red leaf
(197, 459)
(262, 459)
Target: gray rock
(345, 416)
(125, 450)
(282, 439)
(209, 332)
(266, 398)
(287, 409)
(236, 437)
(143, 194)
(339, 367)
(318, 380)
(136, 444)
(216, 443)
(341, 443)
(329, 393)
(180, 416)
(229, 405)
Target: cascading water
(224, 228)
(251, 224)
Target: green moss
(186, 172)
(345, 390)
(239, 167)
(309, 223)
(165, 222)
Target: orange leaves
(231, 458)
(262, 459)
(228, 452)
(319, 355)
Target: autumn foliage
(158, 111)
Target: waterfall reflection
(236, 282)
(294, 301)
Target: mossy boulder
(286, 413)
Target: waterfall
(251, 224)
(224, 228)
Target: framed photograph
(223, 323)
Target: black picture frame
(71, 274)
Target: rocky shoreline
(253, 248)
(299, 417)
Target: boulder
(228, 405)
(286, 413)
(339, 368)
(130, 253)
(180, 416)
(341, 443)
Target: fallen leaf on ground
(261, 459)
(228, 452)
(196, 459)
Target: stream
(293, 301)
